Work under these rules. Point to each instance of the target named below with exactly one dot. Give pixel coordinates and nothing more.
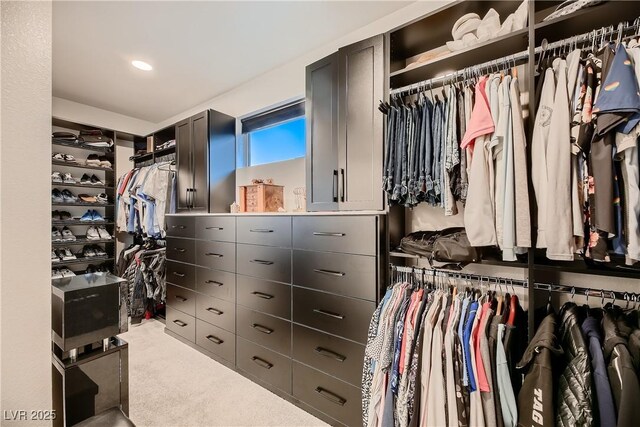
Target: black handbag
(450, 245)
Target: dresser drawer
(216, 283)
(182, 250)
(216, 340)
(336, 356)
(220, 228)
(181, 274)
(350, 275)
(181, 226)
(345, 234)
(342, 316)
(264, 364)
(181, 324)
(265, 296)
(181, 299)
(268, 331)
(333, 397)
(265, 230)
(264, 262)
(217, 312)
(217, 255)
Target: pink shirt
(481, 122)
(483, 382)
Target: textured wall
(25, 168)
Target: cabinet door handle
(262, 362)
(180, 298)
(260, 230)
(335, 185)
(175, 273)
(259, 261)
(180, 323)
(214, 339)
(181, 227)
(262, 295)
(326, 234)
(181, 250)
(214, 254)
(343, 190)
(213, 282)
(331, 396)
(330, 354)
(188, 192)
(215, 311)
(328, 313)
(214, 228)
(329, 272)
(262, 329)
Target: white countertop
(325, 213)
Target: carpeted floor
(171, 384)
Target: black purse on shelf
(450, 245)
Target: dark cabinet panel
(216, 340)
(216, 312)
(265, 230)
(265, 330)
(217, 255)
(200, 149)
(219, 228)
(181, 324)
(265, 296)
(264, 364)
(180, 226)
(184, 180)
(264, 262)
(344, 234)
(321, 109)
(181, 299)
(182, 250)
(181, 274)
(216, 283)
(360, 144)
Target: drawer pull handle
(330, 354)
(328, 313)
(181, 299)
(214, 339)
(175, 273)
(329, 272)
(213, 282)
(215, 311)
(181, 250)
(213, 254)
(262, 295)
(181, 227)
(259, 261)
(330, 396)
(262, 362)
(326, 234)
(262, 329)
(214, 228)
(260, 230)
(180, 323)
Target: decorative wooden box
(261, 198)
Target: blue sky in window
(284, 141)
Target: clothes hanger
(549, 306)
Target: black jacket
(535, 400)
(575, 395)
(622, 375)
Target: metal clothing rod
(516, 57)
(438, 272)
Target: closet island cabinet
(345, 129)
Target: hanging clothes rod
(518, 57)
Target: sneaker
(88, 251)
(68, 178)
(88, 216)
(85, 180)
(95, 180)
(58, 157)
(69, 197)
(55, 215)
(67, 254)
(102, 231)
(91, 269)
(65, 272)
(98, 250)
(59, 255)
(54, 256)
(67, 235)
(56, 196)
(93, 160)
(56, 177)
(93, 233)
(64, 215)
(104, 162)
(56, 274)
(68, 158)
(97, 216)
(102, 198)
(56, 236)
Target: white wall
(25, 224)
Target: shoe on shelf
(95, 180)
(56, 274)
(85, 180)
(65, 272)
(64, 215)
(88, 216)
(91, 269)
(56, 236)
(69, 197)
(68, 178)
(55, 215)
(67, 235)
(104, 162)
(98, 250)
(93, 160)
(102, 198)
(58, 157)
(88, 251)
(96, 215)
(105, 267)
(87, 198)
(93, 233)
(68, 158)
(56, 177)
(57, 196)
(103, 233)
(67, 254)
(54, 256)
(59, 254)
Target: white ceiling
(198, 49)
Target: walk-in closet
(353, 213)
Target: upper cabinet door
(321, 109)
(184, 181)
(360, 128)
(200, 152)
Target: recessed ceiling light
(142, 65)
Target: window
(273, 136)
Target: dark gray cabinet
(205, 147)
(345, 129)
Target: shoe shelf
(95, 205)
(81, 260)
(79, 222)
(80, 166)
(80, 240)
(78, 185)
(65, 143)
